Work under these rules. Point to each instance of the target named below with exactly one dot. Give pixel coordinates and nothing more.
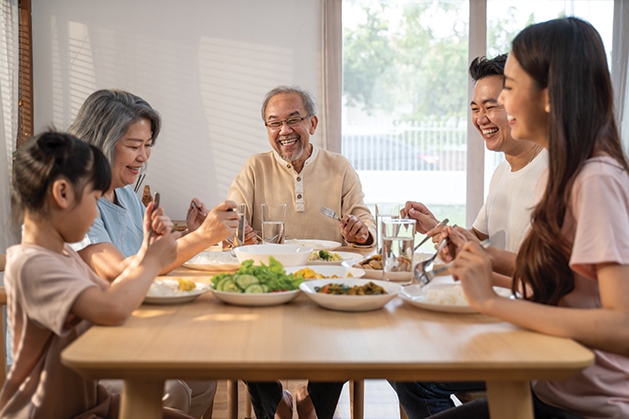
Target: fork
(428, 273)
(441, 224)
(329, 212)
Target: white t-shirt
(506, 215)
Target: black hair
(482, 67)
(52, 155)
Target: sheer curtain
(620, 63)
(9, 38)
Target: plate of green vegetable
(256, 285)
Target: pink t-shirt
(597, 225)
(41, 288)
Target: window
(405, 91)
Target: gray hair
(106, 115)
(306, 97)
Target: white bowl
(256, 300)
(286, 254)
(349, 302)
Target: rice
(313, 244)
(214, 258)
(450, 296)
(168, 288)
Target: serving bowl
(349, 302)
(286, 254)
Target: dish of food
(325, 257)
(174, 291)
(370, 288)
(349, 302)
(213, 261)
(286, 254)
(315, 244)
(256, 300)
(444, 297)
(256, 285)
(322, 272)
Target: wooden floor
(380, 400)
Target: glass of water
(273, 227)
(239, 237)
(384, 210)
(398, 236)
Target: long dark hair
(567, 57)
(52, 155)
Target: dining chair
(3, 302)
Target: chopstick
(139, 183)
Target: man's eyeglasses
(290, 122)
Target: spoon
(426, 273)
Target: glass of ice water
(384, 210)
(398, 236)
(239, 237)
(273, 218)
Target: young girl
(53, 296)
(573, 267)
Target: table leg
(358, 399)
(232, 399)
(510, 399)
(142, 399)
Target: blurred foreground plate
(315, 244)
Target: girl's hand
(425, 219)
(220, 223)
(163, 249)
(161, 224)
(197, 212)
(473, 268)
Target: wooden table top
(212, 340)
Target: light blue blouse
(120, 225)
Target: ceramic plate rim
(328, 244)
(418, 301)
(176, 299)
(359, 272)
(365, 302)
(256, 300)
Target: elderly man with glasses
(303, 177)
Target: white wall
(204, 65)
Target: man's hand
(354, 230)
(418, 211)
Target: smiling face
(130, 153)
(290, 142)
(488, 116)
(526, 104)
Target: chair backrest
(3, 301)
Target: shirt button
(298, 179)
(298, 196)
(288, 165)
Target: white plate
(256, 300)
(340, 271)
(416, 295)
(286, 254)
(369, 273)
(315, 244)
(349, 257)
(184, 297)
(213, 261)
(349, 302)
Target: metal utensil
(424, 271)
(329, 212)
(441, 224)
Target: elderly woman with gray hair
(125, 127)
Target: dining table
(208, 339)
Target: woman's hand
(473, 268)
(251, 237)
(425, 219)
(458, 237)
(354, 230)
(220, 223)
(196, 214)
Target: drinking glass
(239, 237)
(384, 210)
(398, 236)
(273, 227)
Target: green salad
(253, 279)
